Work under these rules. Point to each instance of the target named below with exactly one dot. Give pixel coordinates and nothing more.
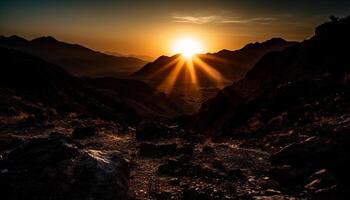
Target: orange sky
(151, 27)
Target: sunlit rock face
(55, 168)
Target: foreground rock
(319, 164)
(150, 131)
(82, 132)
(55, 168)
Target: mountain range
(279, 131)
(76, 59)
(31, 87)
(142, 57)
(231, 65)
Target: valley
(275, 126)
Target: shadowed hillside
(33, 88)
(295, 104)
(285, 81)
(76, 59)
(140, 96)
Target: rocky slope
(76, 59)
(286, 84)
(295, 104)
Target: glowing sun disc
(187, 47)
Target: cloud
(194, 20)
(221, 19)
(259, 20)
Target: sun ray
(192, 71)
(160, 70)
(211, 57)
(168, 83)
(210, 71)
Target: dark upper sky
(150, 27)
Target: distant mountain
(232, 65)
(302, 87)
(32, 87)
(142, 57)
(76, 59)
(140, 96)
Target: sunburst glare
(187, 47)
(188, 67)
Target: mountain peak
(17, 38)
(45, 39)
(275, 40)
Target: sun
(187, 47)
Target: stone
(286, 175)
(193, 194)
(162, 195)
(55, 168)
(186, 149)
(272, 192)
(174, 181)
(208, 149)
(146, 131)
(320, 180)
(217, 164)
(83, 132)
(236, 174)
(8, 142)
(314, 150)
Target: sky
(152, 27)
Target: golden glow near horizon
(187, 47)
(191, 63)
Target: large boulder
(82, 132)
(55, 168)
(321, 164)
(316, 153)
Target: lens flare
(188, 69)
(187, 47)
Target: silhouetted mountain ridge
(31, 86)
(232, 65)
(76, 59)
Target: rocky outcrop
(285, 89)
(56, 168)
(320, 164)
